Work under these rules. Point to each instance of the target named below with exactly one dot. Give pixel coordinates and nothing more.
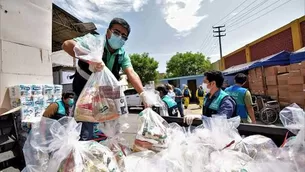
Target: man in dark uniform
(114, 57)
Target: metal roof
(65, 26)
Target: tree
(184, 64)
(145, 66)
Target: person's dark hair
(240, 78)
(162, 89)
(121, 22)
(215, 76)
(168, 87)
(67, 95)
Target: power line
(231, 12)
(233, 16)
(260, 16)
(207, 33)
(246, 13)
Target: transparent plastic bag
(115, 142)
(293, 118)
(53, 146)
(102, 98)
(90, 48)
(152, 131)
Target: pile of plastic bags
(215, 146)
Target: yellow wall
(296, 38)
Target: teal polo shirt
(124, 59)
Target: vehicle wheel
(268, 116)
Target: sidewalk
(193, 109)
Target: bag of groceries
(115, 142)
(152, 132)
(102, 98)
(54, 146)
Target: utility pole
(218, 31)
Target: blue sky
(164, 27)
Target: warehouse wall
(274, 44)
(25, 44)
(302, 24)
(235, 59)
(290, 37)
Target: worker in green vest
(243, 98)
(60, 108)
(169, 102)
(216, 101)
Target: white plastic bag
(53, 146)
(152, 131)
(102, 98)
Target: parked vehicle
(133, 98)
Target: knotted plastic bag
(293, 118)
(53, 146)
(152, 131)
(102, 98)
(115, 142)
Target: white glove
(143, 97)
(188, 119)
(96, 67)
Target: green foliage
(145, 66)
(185, 64)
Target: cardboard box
(297, 97)
(303, 64)
(302, 72)
(271, 80)
(258, 72)
(284, 99)
(295, 88)
(273, 91)
(271, 71)
(284, 104)
(283, 79)
(294, 80)
(282, 69)
(295, 73)
(283, 90)
(252, 74)
(295, 66)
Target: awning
(298, 56)
(238, 68)
(281, 58)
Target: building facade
(290, 37)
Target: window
(130, 92)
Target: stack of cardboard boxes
(256, 82)
(283, 83)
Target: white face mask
(205, 88)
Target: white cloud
(181, 14)
(99, 10)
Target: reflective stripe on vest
(216, 102)
(238, 93)
(81, 72)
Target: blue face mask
(71, 102)
(116, 42)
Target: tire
(268, 116)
